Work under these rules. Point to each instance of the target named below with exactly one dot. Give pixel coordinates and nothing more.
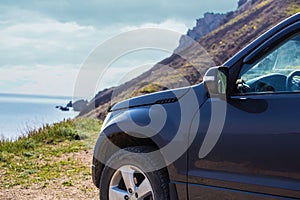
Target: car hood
(167, 96)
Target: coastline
(21, 113)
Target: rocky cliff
(204, 25)
(211, 21)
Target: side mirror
(215, 80)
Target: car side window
(275, 72)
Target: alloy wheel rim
(130, 183)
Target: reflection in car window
(278, 71)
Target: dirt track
(82, 188)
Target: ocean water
(20, 113)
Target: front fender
(149, 122)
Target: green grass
(42, 154)
(152, 87)
(293, 8)
(147, 88)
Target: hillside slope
(236, 30)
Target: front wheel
(127, 177)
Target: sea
(20, 113)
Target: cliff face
(204, 25)
(211, 21)
(220, 36)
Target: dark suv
(236, 135)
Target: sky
(44, 44)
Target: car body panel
(260, 142)
(255, 153)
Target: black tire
(123, 158)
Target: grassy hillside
(49, 154)
(241, 27)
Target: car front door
(257, 154)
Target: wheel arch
(104, 148)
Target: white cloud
(46, 26)
(169, 24)
(39, 79)
(47, 41)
